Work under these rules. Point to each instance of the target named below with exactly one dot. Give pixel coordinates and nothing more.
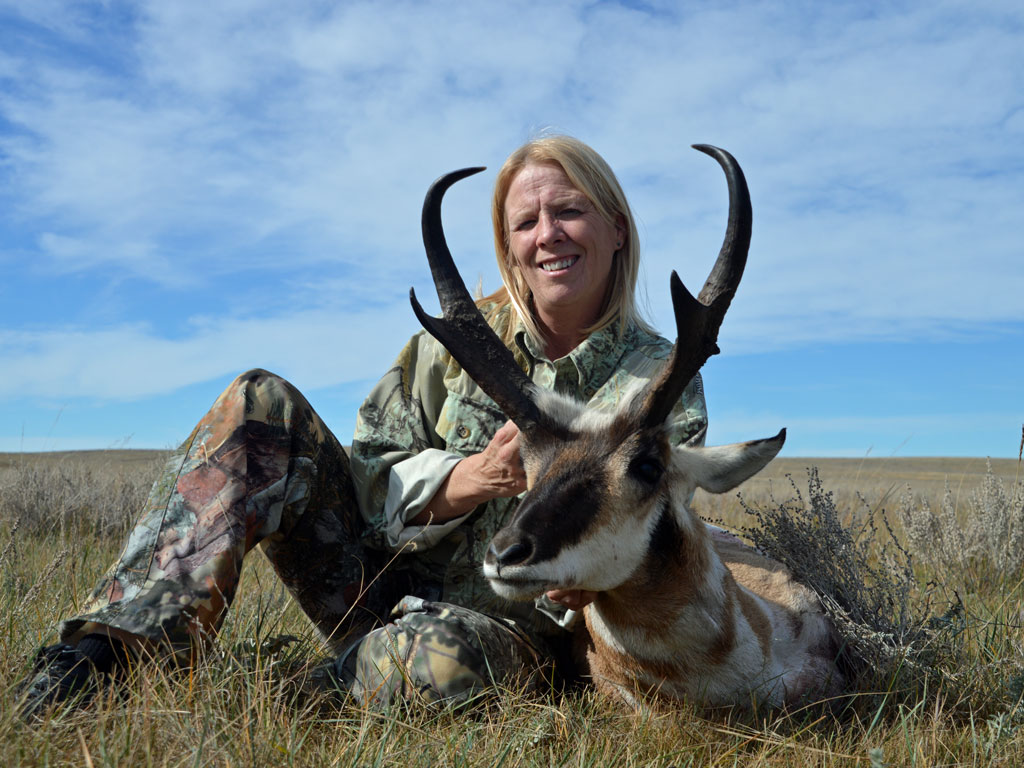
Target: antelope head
(606, 490)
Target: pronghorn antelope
(683, 610)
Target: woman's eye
(524, 225)
(571, 212)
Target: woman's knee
(412, 663)
(253, 375)
(432, 652)
(268, 397)
(258, 379)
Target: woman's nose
(549, 231)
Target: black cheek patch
(665, 544)
(559, 511)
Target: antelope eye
(647, 470)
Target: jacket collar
(596, 358)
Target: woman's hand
(573, 599)
(495, 472)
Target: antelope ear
(723, 467)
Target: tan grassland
(925, 475)
(879, 481)
(946, 693)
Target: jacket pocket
(467, 425)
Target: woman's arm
(398, 459)
(496, 472)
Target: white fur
(610, 554)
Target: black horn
(698, 320)
(463, 330)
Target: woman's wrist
(458, 495)
(494, 472)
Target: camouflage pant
(262, 469)
(437, 651)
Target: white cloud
(263, 146)
(315, 349)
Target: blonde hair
(592, 176)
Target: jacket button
(463, 432)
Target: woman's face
(561, 244)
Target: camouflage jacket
(426, 414)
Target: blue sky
(190, 189)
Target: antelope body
(684, 610)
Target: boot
(64, 673)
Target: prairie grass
(942, 688)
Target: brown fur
(611, 671)
(658, 590)
(724, 643)
(680, 625)
(767, 578)
(757, 620)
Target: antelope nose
(510, 551)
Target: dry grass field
(879, 480)
(927, 476)
(943, 687)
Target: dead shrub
(984, 540)
(894, 643)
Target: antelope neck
(672, 577)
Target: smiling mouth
(559, 264)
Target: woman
(434, 474)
